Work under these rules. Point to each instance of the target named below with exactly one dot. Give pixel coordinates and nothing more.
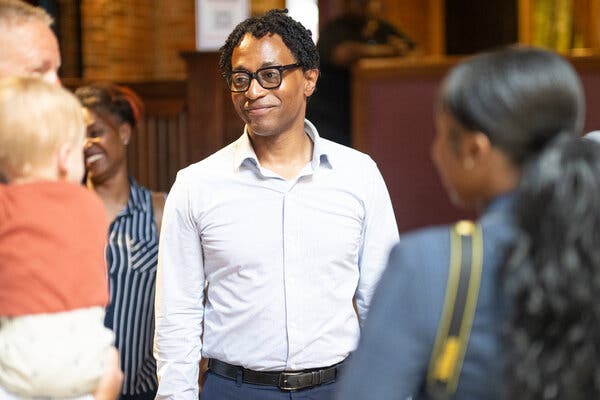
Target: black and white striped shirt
(132, 256)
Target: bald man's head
(29, 45)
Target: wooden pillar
(212, 121)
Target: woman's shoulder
(158, 206)
(422, 252)
(424, 240)
(158, 199)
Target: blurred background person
(358, 33)
(29, 47)
(135, 215)
(496, 113)
(552, 278)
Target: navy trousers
(219, 388)
(144, 396)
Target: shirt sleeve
(395, 346)
(380, 233)
(179, 298)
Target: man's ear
(476, 148)
(311, 76)
(125, 133)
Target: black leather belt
(282, 380)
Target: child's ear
(63, 157)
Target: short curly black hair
(295, 36)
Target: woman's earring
(468, 163)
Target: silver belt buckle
(284, 383)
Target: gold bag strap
(462, 289)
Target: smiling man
(267, 243)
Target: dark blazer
(395, 348)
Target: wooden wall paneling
(171, 165)
(165, 108)
(328, 10)
(152, 150)
(163, 151)
(525, 19)
(587, 24)
(437, 27)
(393, 122)
(259, 7)
(205, 125)
(141, 147)
(588, 68)
(581, 28)
(182, 143)
(132, 154)
(474, 26)
(594, 26)
(212, 122)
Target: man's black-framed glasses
(268, 77)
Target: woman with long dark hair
(496, 113)
(552, 278)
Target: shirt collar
(136, 200)
(501, 204)
(244, 153)
(321, 148)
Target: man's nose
(255, 90)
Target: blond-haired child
(53, 284)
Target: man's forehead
(249, 38)
(270, 48)
(29, 47)
(29, 36)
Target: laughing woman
(135, 214)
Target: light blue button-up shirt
(282, 261)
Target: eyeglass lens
(268, 78)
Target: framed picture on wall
(215, 19)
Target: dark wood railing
(393, 121)
(160, 147)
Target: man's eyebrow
(263, 65)
(270, 64)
